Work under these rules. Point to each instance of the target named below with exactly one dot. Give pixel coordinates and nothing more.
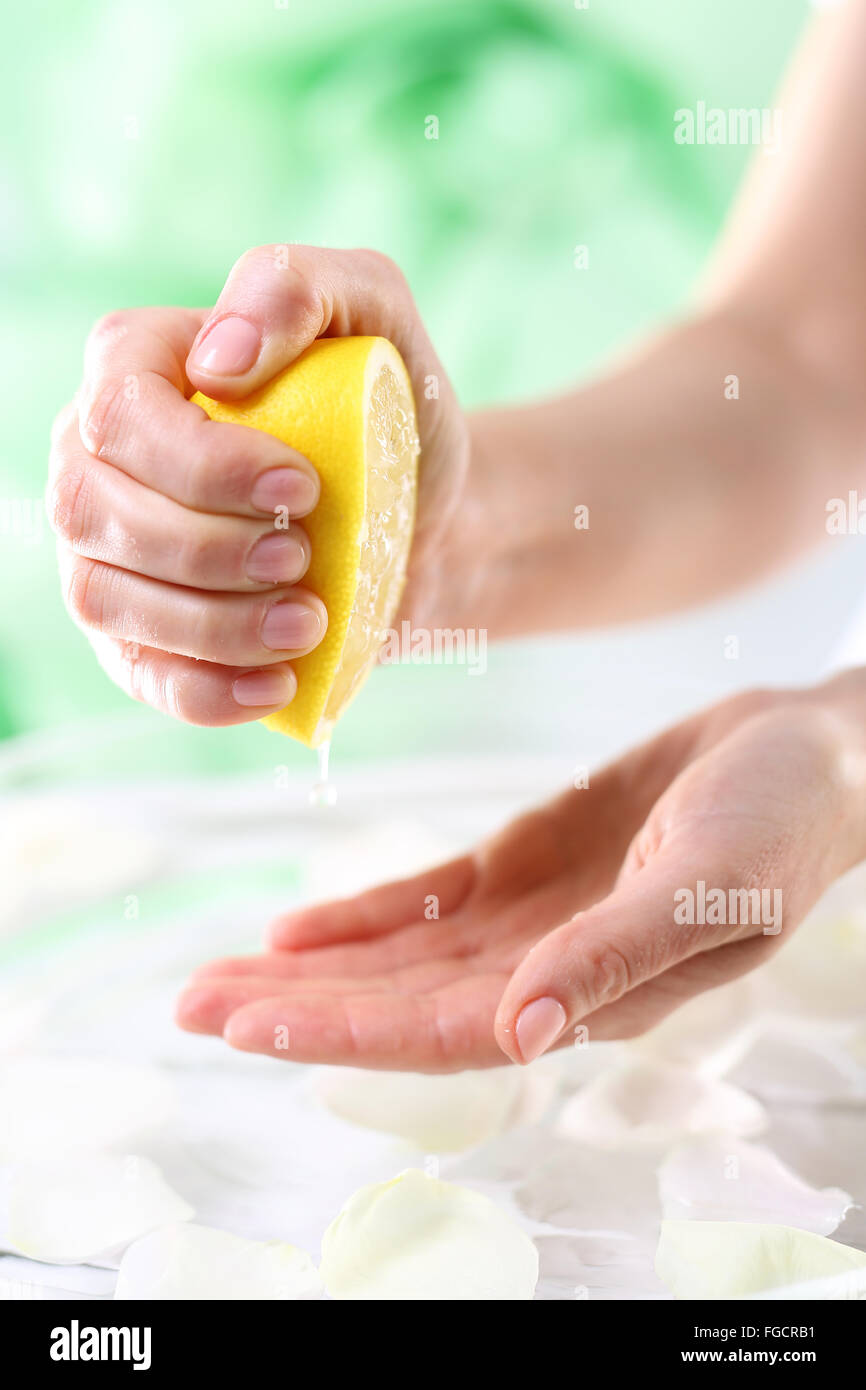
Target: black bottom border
(286, 1338)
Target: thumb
(279, 299)
(633, 935)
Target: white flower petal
(730, 1259)
(576, 1187)
(86, 1208)
(711, 1033)
(579, 1065)
(438, 1114)
(37, 1280)
(851, 1284)
(647, 1104)
(597, 1267)
(60, 850)
(199, 1262)
(418, 1238)
(57, 1106)
(802, 1066)
(722, 1178)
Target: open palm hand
(567, 918)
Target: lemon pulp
(392, 447)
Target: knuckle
(744, 706)
(222, 469)
(67, 502)
(110, 325)
(104, 422)
(250, 644)
(83, 592)
(299, 293)
(758, 700)
(448, 1039)
(193, 695)
(302, 296)
(381, 266)
(257, 258)
(296, 272)
(105, 334)
(644, 845)
(306, 301)
(63, 423)
(149, 676)
(198, 558)
(135, 670)
(610, 974)
(216, 632)
(176, 696)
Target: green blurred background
(148, 146)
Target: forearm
(792, 249)
(696, 483)
(692, 484)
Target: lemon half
(347, 405)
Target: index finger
(449, 1028)
(134, 412)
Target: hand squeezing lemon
(233, 491)
(347, 405)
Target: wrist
(466, 572)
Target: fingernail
(229, 349)
(276, 559)
(538, 1025)
(289, 625)
(263, 688)
(285, 487)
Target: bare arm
(692, 489)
